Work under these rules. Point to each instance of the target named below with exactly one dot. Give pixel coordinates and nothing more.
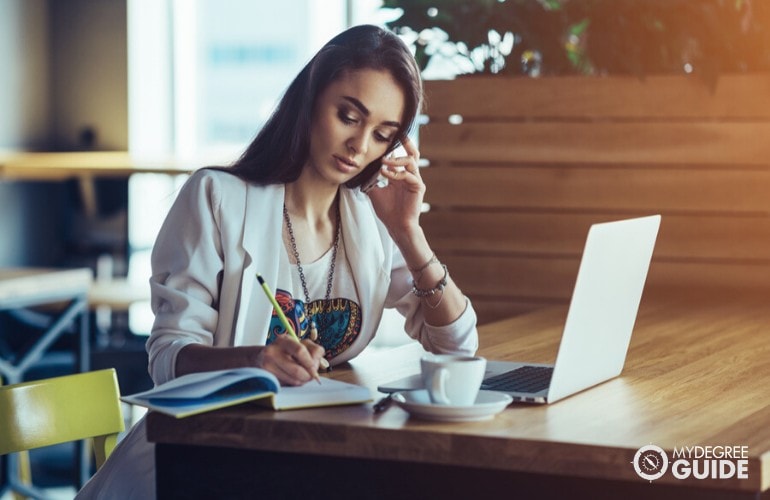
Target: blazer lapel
(262, 243)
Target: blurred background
(174, 85)
(184, 82)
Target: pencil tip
(259, 278)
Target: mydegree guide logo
(651, 462)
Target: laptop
(599, 323)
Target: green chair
(59, 410)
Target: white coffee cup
(452, 379)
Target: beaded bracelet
(419, 292)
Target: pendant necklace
(335, 245)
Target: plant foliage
(637, 37)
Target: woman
(291, 209)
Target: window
(204, 75)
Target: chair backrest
(62, 409)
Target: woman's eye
(381, 138)
(346, 118)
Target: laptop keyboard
(524, 379)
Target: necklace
(335, 246)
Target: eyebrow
(363, 109)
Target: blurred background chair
(58, 410)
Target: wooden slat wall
(514, 187)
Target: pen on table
(383, 404)
(284, 321)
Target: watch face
(650, 462)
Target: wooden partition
(520, 168)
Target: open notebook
(206, 391)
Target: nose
(358, 144)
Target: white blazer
(221, 231)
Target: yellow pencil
(284, 320)
(281, 316)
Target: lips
(345, 164)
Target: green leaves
(636, 37)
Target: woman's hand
(294, 363)
(398, 204)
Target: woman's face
(355, 120)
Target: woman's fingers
(316, 352)
(294, 363)
(411, 149)
(399, 167)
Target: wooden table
(27, 165)
(84, 167)
(697, 374)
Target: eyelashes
(381, 138)
(348, 119)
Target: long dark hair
(279, 151)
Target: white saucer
(418, 404)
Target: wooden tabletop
(67, 165)
(41, 285)
(117, 293)
(697, 374)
